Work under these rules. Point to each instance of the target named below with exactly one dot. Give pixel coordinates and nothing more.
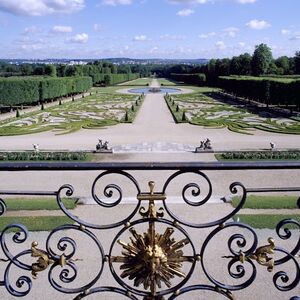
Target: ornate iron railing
(152, 254)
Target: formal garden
(211, 109)
(94, 111)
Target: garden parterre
(206, 109)
(94, 111)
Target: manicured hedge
(111, 79)
(268, 91)
(28, 90)
(16, 91)
(260, 155)
(42, 156)
(197, 78)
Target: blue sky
(147, 28)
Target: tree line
(102, 72)
(261, 63)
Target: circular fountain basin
(160, 90)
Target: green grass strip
(259, 155)
(37, 204)
(36, 223)
(268, 202)
(266, 221)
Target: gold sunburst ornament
(152, 258)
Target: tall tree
(297, 62)
(283, 65)
(50, 70)
(261, 60)
(245, 62)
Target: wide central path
(154, 112)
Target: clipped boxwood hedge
(29, 90)
(42, 156)
(269, 91)
(260, 155)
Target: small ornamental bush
(126, 116)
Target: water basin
(160, 90)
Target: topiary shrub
(126, 118)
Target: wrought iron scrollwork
(152, 254)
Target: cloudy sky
(146, 28)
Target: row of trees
(259, 64)
(30, 90)
(101, 72)
(269, 91)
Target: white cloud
(208, 1)
(242, 45)
(62, 29)
(116, 2)
(80, 38)
(245, 1)
(285, 32)
(231, 31)
(292, 35)
(206, 35)
(258, 25)
(185, 12)
(140, 38)
(189, 1)
(41, 7)
(153, 50)
(98, 27)
(220, 45)
(295, 36)
(32, 47)
(172, 37)
(32, 30)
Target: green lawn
(139, 81)
(265, 221)
(14, 204)
(167, 82)
(268, 202)
(36, 223)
